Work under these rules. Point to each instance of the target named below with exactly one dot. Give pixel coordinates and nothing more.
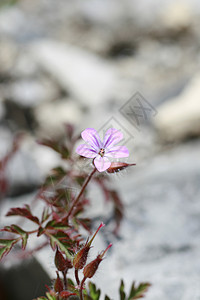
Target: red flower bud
(80, 258)
(118, 166)
(62, 263)
(58, 285)
(91, 268)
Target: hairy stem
(80, 193)
(76, 276)
(81, 288)
(65, 279)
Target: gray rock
(29, 93)
(87, 77)
(179, 118)
(51, 117)
(159, 240)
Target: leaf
(94, 293)
(51, 297)
(66, 294)
(121, 291)
(6, 246)
(23, 212)
(118, 209)
(56, 225)
(138, 292)
(56, 146)
(61, 240)
(107, 298)
(17, 230)
(45, 214)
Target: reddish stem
(80, 193)
(76, 276)
(81, 288)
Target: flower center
(101, 152)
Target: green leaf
(138, 292)
(107, 298)
(121, 291)
(56, 225)
(45, 214)
(94, 293)
(6, 246)
(61, 240)
(50, 297)
(24, 235)
(17, 230)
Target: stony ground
(92, 64)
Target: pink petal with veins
(101, 163)
(112, 137)
(117, 152)
(91, 136)
(86, 151)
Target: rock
(8, 55)
(158, 238)
(24, 281)
(23, 174)
(87, 77)
(177, 16)
(29, 93)
(52, 116)
(179, 118)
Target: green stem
(80, 193)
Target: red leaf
(66, 294)
(23, 212)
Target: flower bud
(80, 258)
(91, 268)
(118, 166)
(61, 263)
(58, 285)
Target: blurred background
(132, 65)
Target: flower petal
(101, 163)
(112, 137)
(91, 136)
(117, 152)
(86, 151)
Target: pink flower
(102, 151)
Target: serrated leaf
(45, 214)
(56, 146)
(94, 293)
(51, 297)
(56, 225)
(138, 292)
(121, 291)
(66, 294)
(6, 246)
(61, 240)
(17, 230)
(23, 212)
